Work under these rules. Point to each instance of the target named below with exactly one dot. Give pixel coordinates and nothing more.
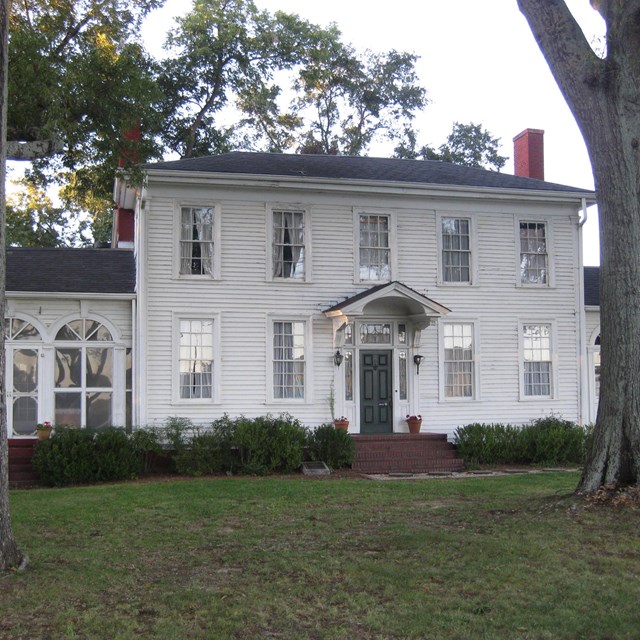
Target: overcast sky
(478, 62)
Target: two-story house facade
(361, 287)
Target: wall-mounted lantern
(338, 358)
(417, 360)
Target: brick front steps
(21, 473)
(405, 453)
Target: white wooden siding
(244, 299)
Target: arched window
(83, 374)
(596, 367)
(23, 383)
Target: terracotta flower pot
(43, 433)
(414, 426)
(341, 424)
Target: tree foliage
(469, 145)
(603, 93)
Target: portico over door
(376, 392)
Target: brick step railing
(21, 473)
(405, 453)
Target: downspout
(135, 414)
(582, 327)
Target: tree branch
(572, 61)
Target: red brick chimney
(124, 218)
(528, 154)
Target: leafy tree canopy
(468, 144)
(234, 77)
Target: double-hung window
(374, 247)
(534, 257)
(289, 360)
(456, 249)
(195, 359)
(459, 366)
(537, 360)
(197, 241)
(289, 252)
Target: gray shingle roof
(71, 270)
(358, 168)
(592, 286)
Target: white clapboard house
(321, 286)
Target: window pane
(402, 372)
(533, 253)
(288, 244)
(68, 409)
(25, 370)
(99, 368)
(196, 359)
(456, 253)
(71, 331)
(375, 333)
(374, 248)
(196, 241)
(25, 415)
(99, 410)
(348, 375)
(288, 360)
(95, 331)
(537, 359)
(21, 330)
(458, 360)
(68, 368)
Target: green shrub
(269, 443)
(549, 440)
(68, 457)
(335, 447)
(82, 456)
(147, 446)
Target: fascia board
(368, 186)
(70, 295)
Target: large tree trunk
(10, 556)
(604, 96)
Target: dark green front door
(376, 407)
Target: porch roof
(419, 307)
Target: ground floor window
(458, 356)
(536, 343)
(196, 358)
(289, 364)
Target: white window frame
(391, 217)
(550, 252)
(554, 360)
(473, 258)
(118, 374)
(306, 321)
(175, 359)
(217, 224)
(306, 217)
(475, 383)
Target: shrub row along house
(322, 286)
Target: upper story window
(537, 360)
(289, 252)
(197, 241)
(456, 249)
(458, 360)
(534, 257)
(196, 359)
(374, 248)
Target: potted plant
(341, 423)
(43, 430)
(414, 422)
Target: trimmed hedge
(267, 444)
(82, 456)
(333, 446)
(549, 440)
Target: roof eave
(347, 184)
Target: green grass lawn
(513, 557)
